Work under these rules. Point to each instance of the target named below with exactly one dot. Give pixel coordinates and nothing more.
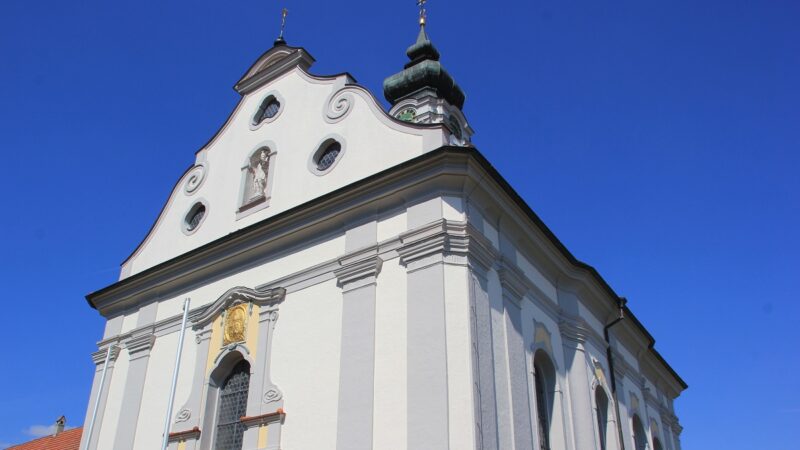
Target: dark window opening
(232, 406)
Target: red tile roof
(66, 440)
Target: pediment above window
(236, 296)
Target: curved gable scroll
(236, 296)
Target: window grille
(541, 411)
(268, 109)
(328, 156)
(232, 405)
(195, 217)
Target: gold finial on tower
(423, 14)
(284, 13)
(280, 41)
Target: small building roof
(66, 440)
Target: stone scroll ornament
(195, 179)
(183, 415)
(338, 106)
(272, 395)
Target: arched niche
(257, 178)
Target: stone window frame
(264, 100)
(250, 206)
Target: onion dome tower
(424, 92)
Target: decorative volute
(424, 92)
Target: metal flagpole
(165, 442)
(97, 399)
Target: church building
(332, 275)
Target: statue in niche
(259, 169)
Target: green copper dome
(423, 71)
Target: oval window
(268, 110)
(195, 216)
(328, 156)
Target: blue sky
(659, 140)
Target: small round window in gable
(268, 110)
(328, 156)
(195, 217)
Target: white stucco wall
(306, 365)
(371, 141)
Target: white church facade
(362, 279)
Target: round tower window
(328, 156)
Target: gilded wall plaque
(235, 325)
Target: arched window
(639, 435)
(657, 444)
(231, 406)
(544, 380)
(601, 401)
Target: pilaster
(99, 358)
(574, 335)
(514, 291)
(139, 348)
(357, 277)
(423, 252)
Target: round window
(328, 156)
(195, 216)
(268, 110)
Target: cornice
(512, 279)
(573, 329)
(140, 346)
(576, 329)
(625, 369)
(446, 241)
(99, 357)
(358, 273)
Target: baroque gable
(292, 137)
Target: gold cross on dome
(284, 13)
(423, 14)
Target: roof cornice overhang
(244, 247)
